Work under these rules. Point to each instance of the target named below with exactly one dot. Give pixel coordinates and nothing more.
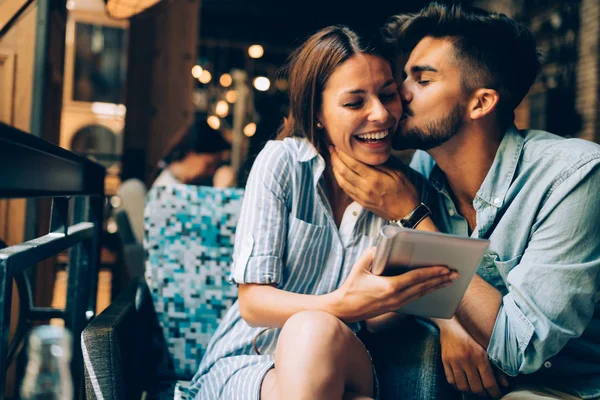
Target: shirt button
(354, 213)
(451, 212)
(547, 364)
(497, 201)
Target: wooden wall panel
(163, 42)
(8, 8)
(23, 79)
(17, 48)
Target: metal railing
(32, 168)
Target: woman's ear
(483, 102)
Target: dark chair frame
(33, 168)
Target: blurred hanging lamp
(122, 9)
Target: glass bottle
(48, 373)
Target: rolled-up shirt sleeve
(553, 290)
(260, 239)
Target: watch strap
(414, 217)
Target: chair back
(189, 236)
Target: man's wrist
(427, 225)
(445, 324)
(413, 218)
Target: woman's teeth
(373, 136)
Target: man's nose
(405, 93)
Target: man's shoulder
(544, 149)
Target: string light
(196, 71)
(250, 129)
(231, 96)
(261, 83)
(256, 51)
(214, 122)
(205, 77)
(225, 80)
(222, 108)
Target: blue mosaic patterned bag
(189, 234)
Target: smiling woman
(361, 108)
(304, 288)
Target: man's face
(432, 96)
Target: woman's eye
(423, 82)
(389, 96)
(354, 104)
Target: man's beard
(434, 133)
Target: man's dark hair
(493, 50)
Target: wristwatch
(414, 217)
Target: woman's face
(361, 108)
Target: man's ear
(483, 102)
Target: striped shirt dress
(286, 236)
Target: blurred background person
(196, 159)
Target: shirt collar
(498, 179)
(306, 150)
(306, 153)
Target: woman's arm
(269, 307)
(362, 296)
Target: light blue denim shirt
(539, 206)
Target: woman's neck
(338, 199)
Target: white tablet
(400, 249)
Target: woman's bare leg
(318, 357)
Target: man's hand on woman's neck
(338, 199)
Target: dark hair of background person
(308, 69)
(199, 138)
(493, 50)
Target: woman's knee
(315, 328)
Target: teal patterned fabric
(189, 234)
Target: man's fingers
(387, 170)
(475, 383)
(340, 168)
(449, 373)
(348, 187)
(460, 378)
(355, 166)
(489, 380)
(502, 379)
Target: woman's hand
(364, 295)
(466, 363)
(386, 192)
